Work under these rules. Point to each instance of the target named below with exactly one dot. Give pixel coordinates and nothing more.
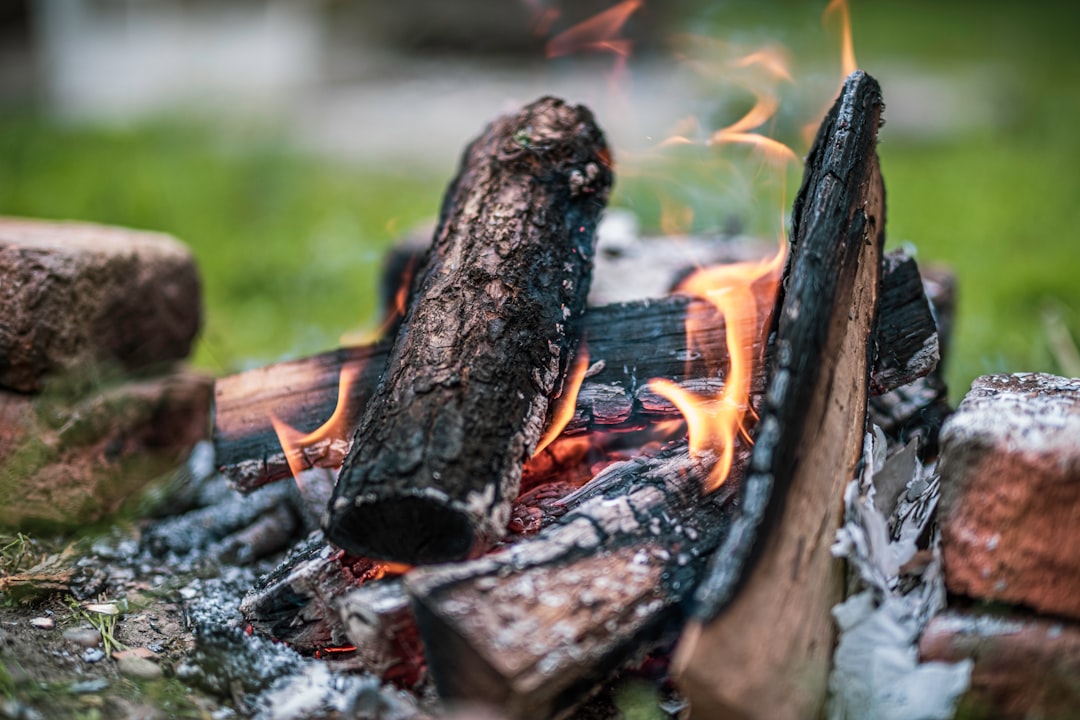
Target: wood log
(77, 294)
(628, 343)
(762, 637)
(484, 346)
(532, 629)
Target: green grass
(289, 245)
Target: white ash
(876, 672)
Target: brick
(1010, 492)
(66, 462)
(75, 294)
(1024, 666)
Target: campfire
(540, 476)
(534, 493)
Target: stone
(1010, 492)
(139, 668)
(66, 462)
(77, 294)
(87, 637)
(1024, 666)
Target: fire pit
(525, 490)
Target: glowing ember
(563, 410)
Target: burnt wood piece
(295, 602)
(379, 622)
(485, 344)
(533, 628)
(918, 409)
(628, 344)
(762, 637)
(907, 353)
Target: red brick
(1024, 667)
(1010, 492)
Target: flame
(839, 9)
(543, 17)
(395, 311)
(294, 442)
(836, 12)
(600, 32)
(742, 295)
(563, 410)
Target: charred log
(628, 344)
(532, 629)
(484, 345)
(761, 642)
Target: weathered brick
(1024, 667)
(68, 461)
(1010, 492)
(76, 293)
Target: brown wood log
(628, 343)
(532, 629)
(761, 642)
(484, 346)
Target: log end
(439, 530)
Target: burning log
(484, 345)
(762, 636)
(303, 393)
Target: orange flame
(563, 410)
(294, 442)
(395, 311)
(742, 295)
(600, 32)
(839, 9)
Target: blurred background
(290, 143)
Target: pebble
(139, 668)
(93, 655)
(85, 636)
(45, 623)
(86, 687)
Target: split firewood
(628, 344)
(485, 344)
(75, 294)
(762, 637)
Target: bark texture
(484, 346)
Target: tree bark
(484, 346)
(628, 344)
(762, 638)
